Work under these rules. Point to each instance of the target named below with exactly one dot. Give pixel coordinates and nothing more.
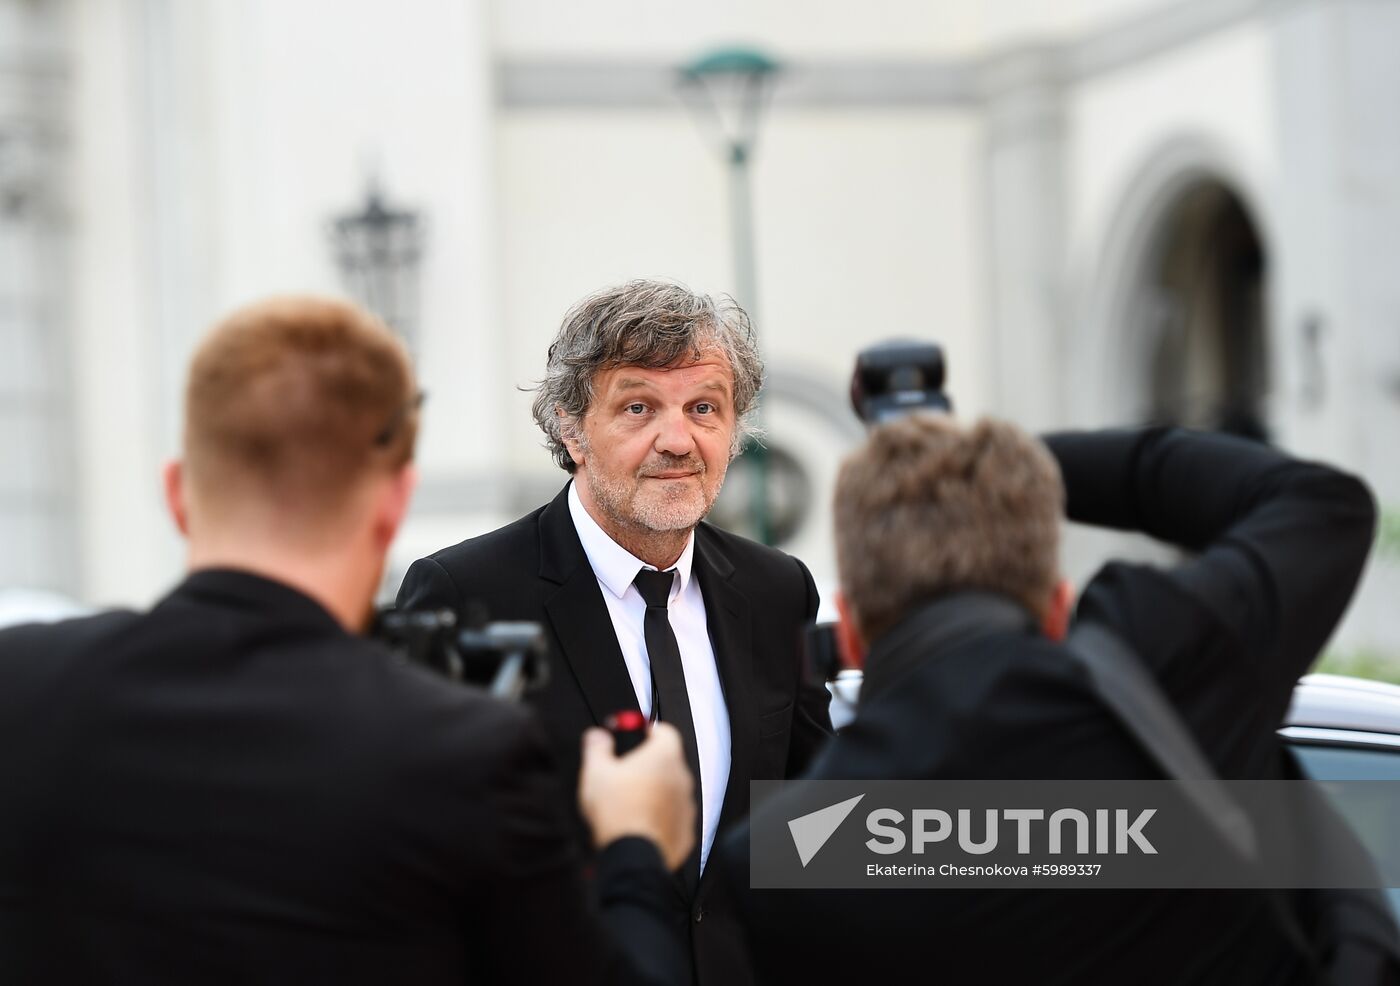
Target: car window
(1353, 763)
(1349, 763)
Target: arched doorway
(1202, 314)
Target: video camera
(508, 659)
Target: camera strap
(1353, 917)
(1123, 684)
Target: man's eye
(636, 408)
(704, 408)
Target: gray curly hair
(648, 323)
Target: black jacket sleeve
(427, 585)
(1279, 543)
(544, 925)
(811, 719)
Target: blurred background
(1106, 211)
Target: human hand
(648, 792)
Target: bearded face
(655, 444)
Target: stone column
(1025, 163)
(1339, 317)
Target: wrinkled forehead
(707, 370)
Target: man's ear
(172, 477)
(392, 505)
(1055, 623)
(849, 642)
(568, 431)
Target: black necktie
(670, 702)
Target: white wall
(677, 29)
(1274, 109)
(214, 139)
(667, 29)
(1132, 135)
(217, 140)
(866, 228)
(122, 374)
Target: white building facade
(1106, 212)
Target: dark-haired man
(646, 395)
(236, 787)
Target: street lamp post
(378, 251)
(726, 91)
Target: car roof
(1332, 701)
(1320, 702)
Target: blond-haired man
(236, 787)
(952, 599)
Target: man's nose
(674, 436)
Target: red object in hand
(629, 729)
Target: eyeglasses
(391, 427)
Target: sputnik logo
(812, 831)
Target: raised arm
(1280, 542)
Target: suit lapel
(588, 645)
(579, 616)
(731, 635)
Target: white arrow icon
(810, 832)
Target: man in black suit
(947, 542)
(236, 787)
(645, 400)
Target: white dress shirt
(616, 568)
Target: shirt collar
(615, 566)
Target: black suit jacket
(757, 601)
(1280, 545)
(232, 789)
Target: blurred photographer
(947, 544)
(237, 787)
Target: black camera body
(898, 377)
(891, 379)
(508, 659)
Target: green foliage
(1361, 664)
(1388, 534)
(1366, 662)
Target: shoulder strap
(1123, 684)
(1360, 927)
